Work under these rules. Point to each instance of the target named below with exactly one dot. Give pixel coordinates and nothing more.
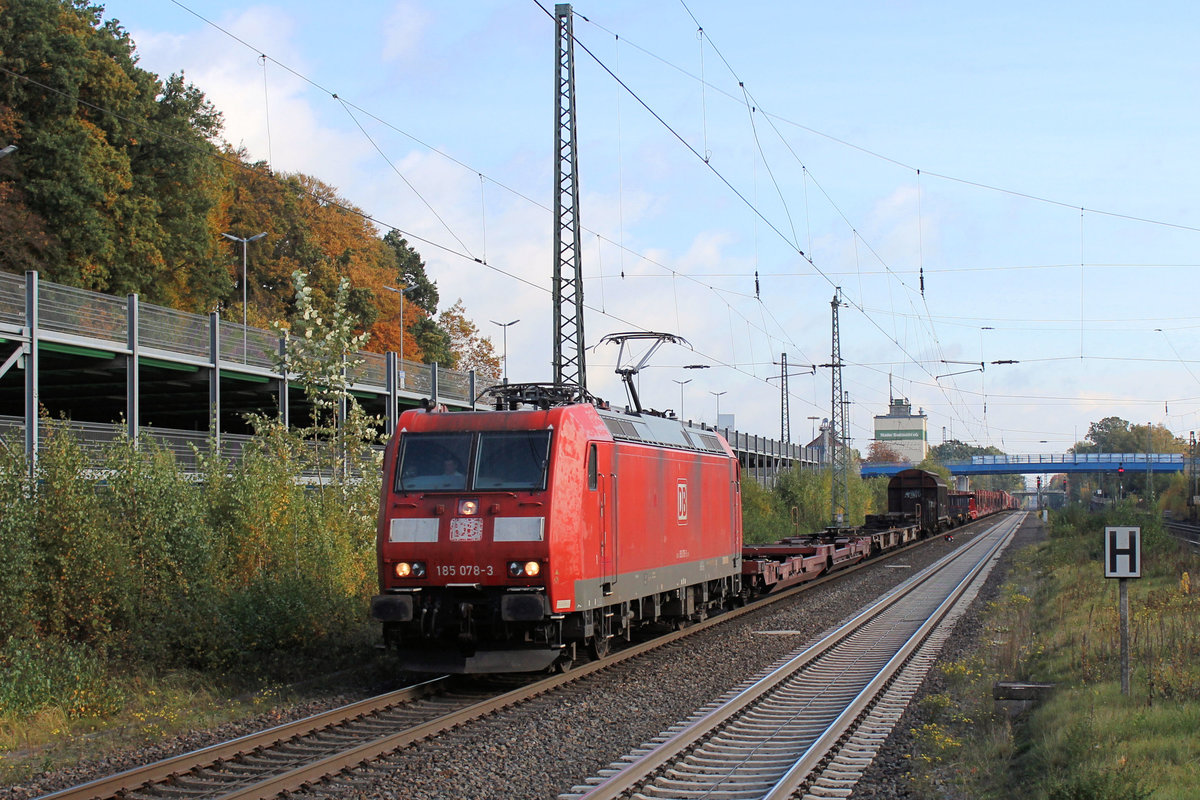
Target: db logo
(681, 500)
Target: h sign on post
(1122, 552)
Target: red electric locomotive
(509, 538)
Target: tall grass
(1056, 621)
(121, 560)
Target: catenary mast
(567, 289)
(839, 495)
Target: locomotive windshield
(504, 460)
(512, 460)
(433, 461)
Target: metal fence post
(32, 399)
(285, 410)
(214, 380)
(132, 382)
(391, 379)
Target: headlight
(524, 569)
(409, 569)
(468, 508)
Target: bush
(41, 672)
(17, 577)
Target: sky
(984, 183)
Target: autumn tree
(423, 340)
(469, 350)
(882, 453)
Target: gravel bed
(550, 745)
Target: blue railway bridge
(1050, 464)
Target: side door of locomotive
(602, 480)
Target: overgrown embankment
(120, 570)
(1057, 621)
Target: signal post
(1123, 560)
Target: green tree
(931, 465)
(762, 519)
(114, 165)
(803, 495)
(321, 352)
(411, 273)
(1116, 435)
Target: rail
(767, 738)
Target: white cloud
(270, 111)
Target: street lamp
(681, 385)
(401, 292)
(718, 396)
(8, 150)
(504, 328)
(814, 428)
(245, 243)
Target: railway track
(226, 769)
(814, 720)
(1185, 532)
(299, 754)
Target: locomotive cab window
(512, 460)
(593, 471)
(433, 462)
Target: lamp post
(718, 396)
(814, 428)
(8, 150)
(401, 292)
(681, 385)
(504, 328)
(245, 246)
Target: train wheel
(599, 647)
(566, 660)
(599, 644)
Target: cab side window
(593, 474)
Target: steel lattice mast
(785, 422)
(567, 289)
(839, 495)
